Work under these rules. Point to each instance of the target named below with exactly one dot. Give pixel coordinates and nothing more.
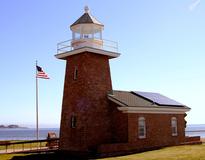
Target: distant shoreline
(12, 126)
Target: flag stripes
(41, 73)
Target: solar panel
(158, 98)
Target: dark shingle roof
(125, 98)
(86, 18)
(128, 99)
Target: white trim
(87, 49)
(160, 110)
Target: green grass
(18, 146)
(10, 156)
(187, 152)
(34, 156)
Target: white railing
(65, 46)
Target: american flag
(41, 73)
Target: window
(75, 74)
(86, 36)
(174, 126)
(73, 121)
(141, 127)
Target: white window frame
(141, 127)
(174, 126)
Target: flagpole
(37, 131)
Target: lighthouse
(85, 118)
(98, 120)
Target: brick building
(99, 120)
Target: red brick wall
(158, 134)
(86, 98)
(119, 125)
(158, 129)
(192, 139)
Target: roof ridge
(145, 98)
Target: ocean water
(30, 133)
(26, 133)
(195, 130)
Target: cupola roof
(86, 18)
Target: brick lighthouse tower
(85, 118)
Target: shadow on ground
(45, 156)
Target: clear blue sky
(162, 46)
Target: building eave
(87, 49)
(154, 109)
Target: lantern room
(87, 31)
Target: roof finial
(86, 9)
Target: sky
(162, 46)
